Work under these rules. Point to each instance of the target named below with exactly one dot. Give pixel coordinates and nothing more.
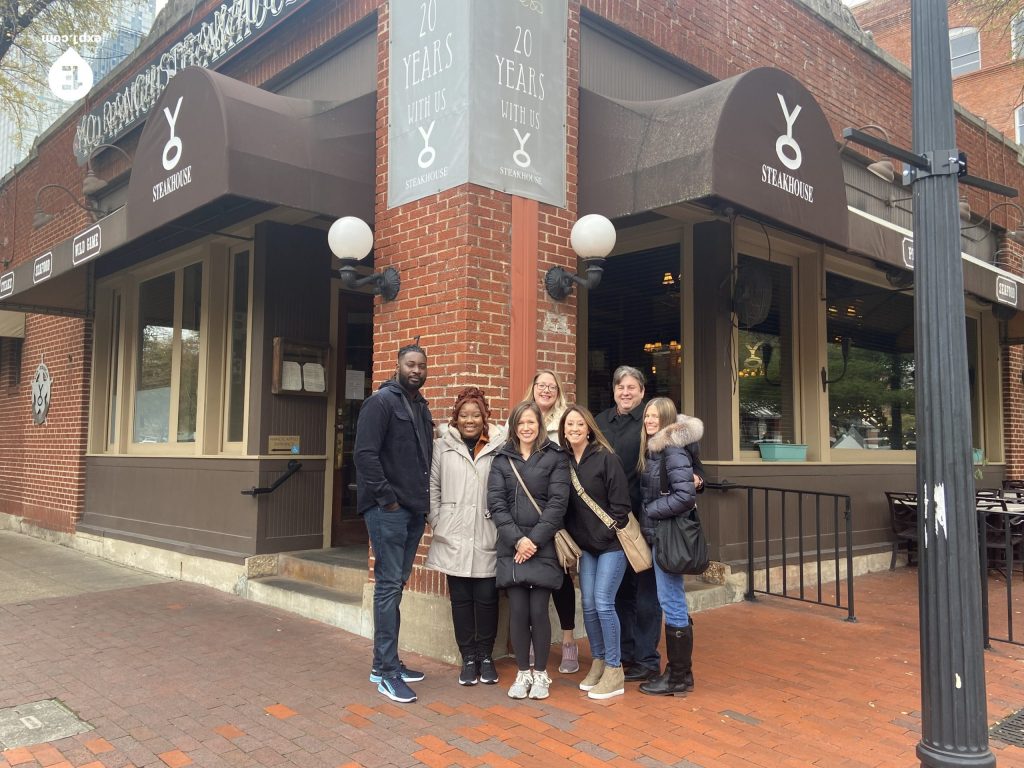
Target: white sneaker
(521, 688)
(541, 683)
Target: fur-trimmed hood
(686, 430)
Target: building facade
(986, 54)
(194, 346)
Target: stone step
(339, 608)
(344, 570)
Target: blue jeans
(395, 537)
(600, 576)
(672, 596)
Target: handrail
(293, 467)
(841, 507)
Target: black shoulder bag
(679, 543)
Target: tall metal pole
(954, 723)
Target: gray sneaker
(541, 683)
(521, 688)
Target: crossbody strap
(594, 506)
(529, 495)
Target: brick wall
(453, 251)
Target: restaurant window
(964, 50)
(765, 363)
(238, 346)
(871, 396)
(167, 366)
(162, 382)
(638, 324)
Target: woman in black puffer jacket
(527, 562)
(663, 444)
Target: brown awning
(210, 136)
(758, 141)
(230, 141)
(889, 244)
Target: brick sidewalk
(173, 674)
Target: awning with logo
(758, 141)
(889, 244)
(210, 145)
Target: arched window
(964, 50)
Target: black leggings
(528, 622)
(564, 599)
(474, 615)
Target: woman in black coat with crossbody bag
(527, 494)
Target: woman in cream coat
(463, 542)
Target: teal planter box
(978, 454)
(782, 451)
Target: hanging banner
(477, 93)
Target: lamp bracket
(880, 145)
(559, 282)
(385, 284)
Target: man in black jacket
(394, 443)
(637, 599)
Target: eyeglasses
(546, 387)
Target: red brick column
(454, 253)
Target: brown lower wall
(724, 513)
(196, 505)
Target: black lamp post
(954, 730)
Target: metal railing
(999, 534)
(802, 538)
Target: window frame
(228, 445)
(1018, 123)
(115, 357)
(1017, 36)
(750, 240)
(959, 33)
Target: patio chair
(903, 516)
(1013, 488)
(1001, 531)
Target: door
(355, 378)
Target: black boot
(679, 647)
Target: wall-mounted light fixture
(592, 237)
(92, 184)
(883, 168)
(1016, 234)
(351, 240)
(41, 218)
(825, 380)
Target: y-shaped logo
(787, 141)
(520, 156)
(427, 154)
(174, 143)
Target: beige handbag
(567, 549)
(630, 537)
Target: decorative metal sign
(477, 93)
(41, 393)
(234, 25)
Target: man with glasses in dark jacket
(394, 443)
